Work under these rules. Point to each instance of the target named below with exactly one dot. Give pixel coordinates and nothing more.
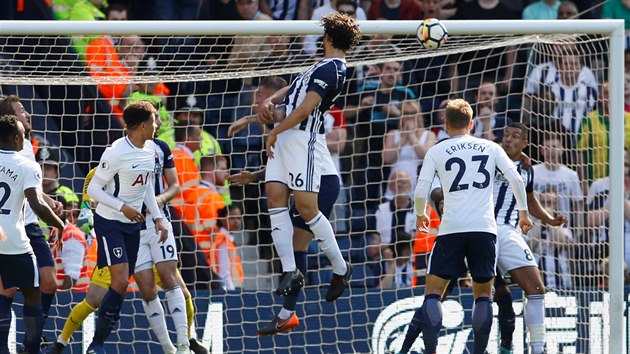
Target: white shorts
(512, 250)
(152, 251)
(297, 161)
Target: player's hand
(526, 162)
(3, 236)
(56, 235)
(271, 143)
(238, 125)
(131, 213)
(85, 221)
(265, 110)
(242, 178)
(560, 220)
(524, 222)
(56, 207)
(422, 223)
(161, 229)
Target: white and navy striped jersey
(465, 166)
(17, 174)
(572, 103)
(504, 201)
(127, 172)
(327, 78)
(163, 160)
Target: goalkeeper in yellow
(151, 271)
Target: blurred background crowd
(378, 132)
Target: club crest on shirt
(118, 252)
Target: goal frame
(612, 28)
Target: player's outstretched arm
(245, 177)
(35, 199)
(240, 124)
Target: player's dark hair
(137, 113)
(273, 82)
(6, 105)
(343, 30)
(458, 113)
(8, 129)
(522, 127)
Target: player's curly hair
(137, 112)
(343, 30)
(9, 128)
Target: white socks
(177, 307)
(284, 313)
(535, 322)
(282, 234)
(323, 231)
(155, 314)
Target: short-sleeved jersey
(163, 160)
(327, 78)
(466, 166)
(17, 174)
(127, 171)
(29, 214)
(504, 201)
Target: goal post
(349, 324)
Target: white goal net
(388, 116)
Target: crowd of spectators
(378, 131)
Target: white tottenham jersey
(29, 214)
(465, 166)
(504, 201)
(127, 172)
(327, 78)
(17, 174)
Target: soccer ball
(432, 33)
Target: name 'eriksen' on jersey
(465, 146)
(9, 172)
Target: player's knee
(120, 285)
(307, 210)
(48, 286)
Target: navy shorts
(118, 242)
(452, 251)
(19, 270)
(40, 246)
(326, 198)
